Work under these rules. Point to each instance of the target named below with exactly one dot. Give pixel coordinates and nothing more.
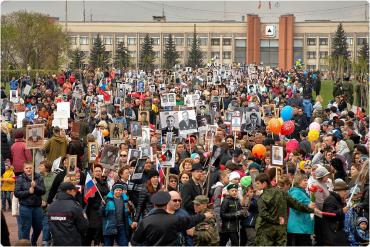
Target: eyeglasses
(123, 155)
(177, 200)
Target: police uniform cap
(161, 198)
(67, 186)
(197, 166)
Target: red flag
(269, 5)
(105, 94)
(259, 5)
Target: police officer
(205, 233)
(66, 218)
(161, 228)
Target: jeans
(120, 237)
(31, 217)
(46, 236)
(19, 224)
(6, 196)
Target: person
(206, 232)
(249, 202)
(192, 188)
(19, 153)
(332, 226)
(186, 123)
(68, 223)
(144, 118)
(231, 213)
(253, 125)
(7, 186)
(116, 216)
(56, 146)
(29, 188)
(170, 121)
(160, 228)
(94, 232)
(115, 131)
(362, 232)
(300, 225)
(48, 177)
(272, 213)
(135, 129)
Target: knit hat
(254, 165)
(194, 156)
(321, 172)
(153, 173)
(361, 219)
(234, 175)
(119, 185)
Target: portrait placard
(35, 136)
(277, 155)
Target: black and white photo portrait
(169, 122)
(252, 121)
(277, 155)
(115, 132)
(135, 128)
(187, 122)
(109, 155)
(170, 154)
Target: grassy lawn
(326, 91)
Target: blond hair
(319, 99)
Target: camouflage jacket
(206, 232)
(273, 204)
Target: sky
(192, 10)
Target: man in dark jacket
(67, 222)
(29, 189)
(192, 188)
(333, 226)
(160, 228)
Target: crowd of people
(221, 155)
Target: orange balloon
(259, 150)
(105, 132)
(274, 126)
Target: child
(361, 232)
(7, 185)
(231, 212)
(248, 224)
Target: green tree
(340, 46)
(364, 52)
(98, 56)
(147, 55)
(195, 58)
(33, 39)
(77, 57)
(170, 54)
(122, 58)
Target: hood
(218, 184)
(295, 190)
(110, 196)
(59, 139)
(306, 102)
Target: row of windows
(324, 41)
(84, 40)
(322, 54)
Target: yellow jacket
(8, 180)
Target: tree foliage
(195, 58)
(77, 57)
(147, 54)
(340, 46)
(98, 56)
(364, 52)
(32, 39)
(122, 58)
(170, 54)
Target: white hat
(234, 175)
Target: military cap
(161, 198)
(232, 186)
(201, 199)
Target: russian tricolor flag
(90, 188)
(160, 171)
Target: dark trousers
(120, 238)
(6, 196)
(31, 217)
(296, 239)
(233, 236)
(318, 231)
(94, 234)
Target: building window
(120, 40)
(155, 41)
(323, 41)
(215, 41)
(226, 55)
(131, 41)
(179, 41)
(361, 41)
(311, 54)
(215, 54)
(73, 40)
(324, 54)
(311, 41)
(132, 53)
(350, 41)
(311, 67)
(108, 40)
(141, 41)
(226, 42)
(203, 41)
(84, 40)
(190, 41)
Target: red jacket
(20, 155)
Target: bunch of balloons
(314, 132)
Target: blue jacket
(13, 84)
(250, 220)
(307, 107)
(299, 222)
(109, 215)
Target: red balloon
(287, 128)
